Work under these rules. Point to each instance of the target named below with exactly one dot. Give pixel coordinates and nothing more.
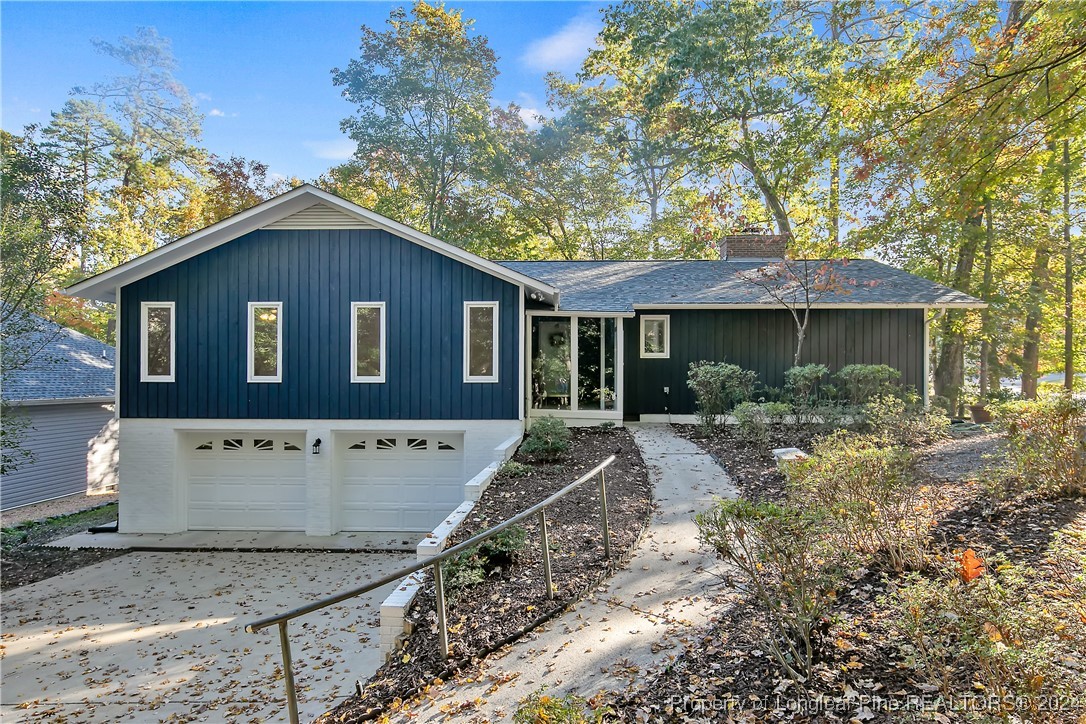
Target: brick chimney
(754, 244)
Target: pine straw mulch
(505, 606)
(726, 675)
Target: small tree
(799, 284)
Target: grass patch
(43, 531)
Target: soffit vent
(320, 216)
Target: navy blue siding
(765, 341)
(317, 274)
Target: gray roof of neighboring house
(70, 365)
(619, 286)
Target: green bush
(1046, 444)
(540, 708)
(1014, 631)
(754, 421)
(513, 469)
(548, 439)
(803, 383)
(471, 567)
(903, 421)
(862, 382)
(787, 564)
(866, 487)
(718, 387)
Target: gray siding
(58, 437)
(764, 341)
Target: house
(65, 397)
(311, 365)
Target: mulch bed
(725, 675)
(513, 601)
(24, 559)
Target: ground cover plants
(25, 558)
(503, 593)
(903, 572)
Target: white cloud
(531, 109)
(201, 96)
(565, 49)
(216, 113)
(339, 149)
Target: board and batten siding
(57, 437)
(765, 341)
(316, 274)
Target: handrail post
(603, 512)
(442, 630)
(546, 553)
(288, 674)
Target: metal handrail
(539, 509)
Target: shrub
(540, 708)
(866, 487)
(787, 564)
(471, 567)
(862, 382)
(513, 469)
(803, 383)
(548, 439)
(1046, 444)
(903, 421)
(754, 420)
(1014, 631)
(718, 387)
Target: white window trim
(144, 376)
(666, 319)
(494, 351)
(278, 377)
(355, 306)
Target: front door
(575, 366)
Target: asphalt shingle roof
(70, 365)
(616, 286)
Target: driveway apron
(159, 636)
(633, 623)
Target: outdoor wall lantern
(317, 446)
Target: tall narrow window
(156, 341)
(655, 335)
(265, 341)
(367, 341)
(480, 341)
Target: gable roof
(623, 286)
(103, 286)
(70, 366)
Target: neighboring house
(311, 365)
(65, 396)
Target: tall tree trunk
(950, 367)
(772, 199)
(986, 296)
(1038, 285)
(1068, 276)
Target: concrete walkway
(158, 636)
(635, 622)
(193, 540)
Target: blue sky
(260, 71)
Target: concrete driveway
(160, 637)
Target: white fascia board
(821, 305)
(575, 313)
(102, 287)
(62, 401)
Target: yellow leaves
(993, 631)
(406, 658)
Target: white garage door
(246, 481)
(402, 481)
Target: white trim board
(103, 286)
(816, 305)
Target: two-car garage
(381, 481)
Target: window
(655, 336)
(367, 341)
(156, 342)
(480, 341)
(265, 341)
